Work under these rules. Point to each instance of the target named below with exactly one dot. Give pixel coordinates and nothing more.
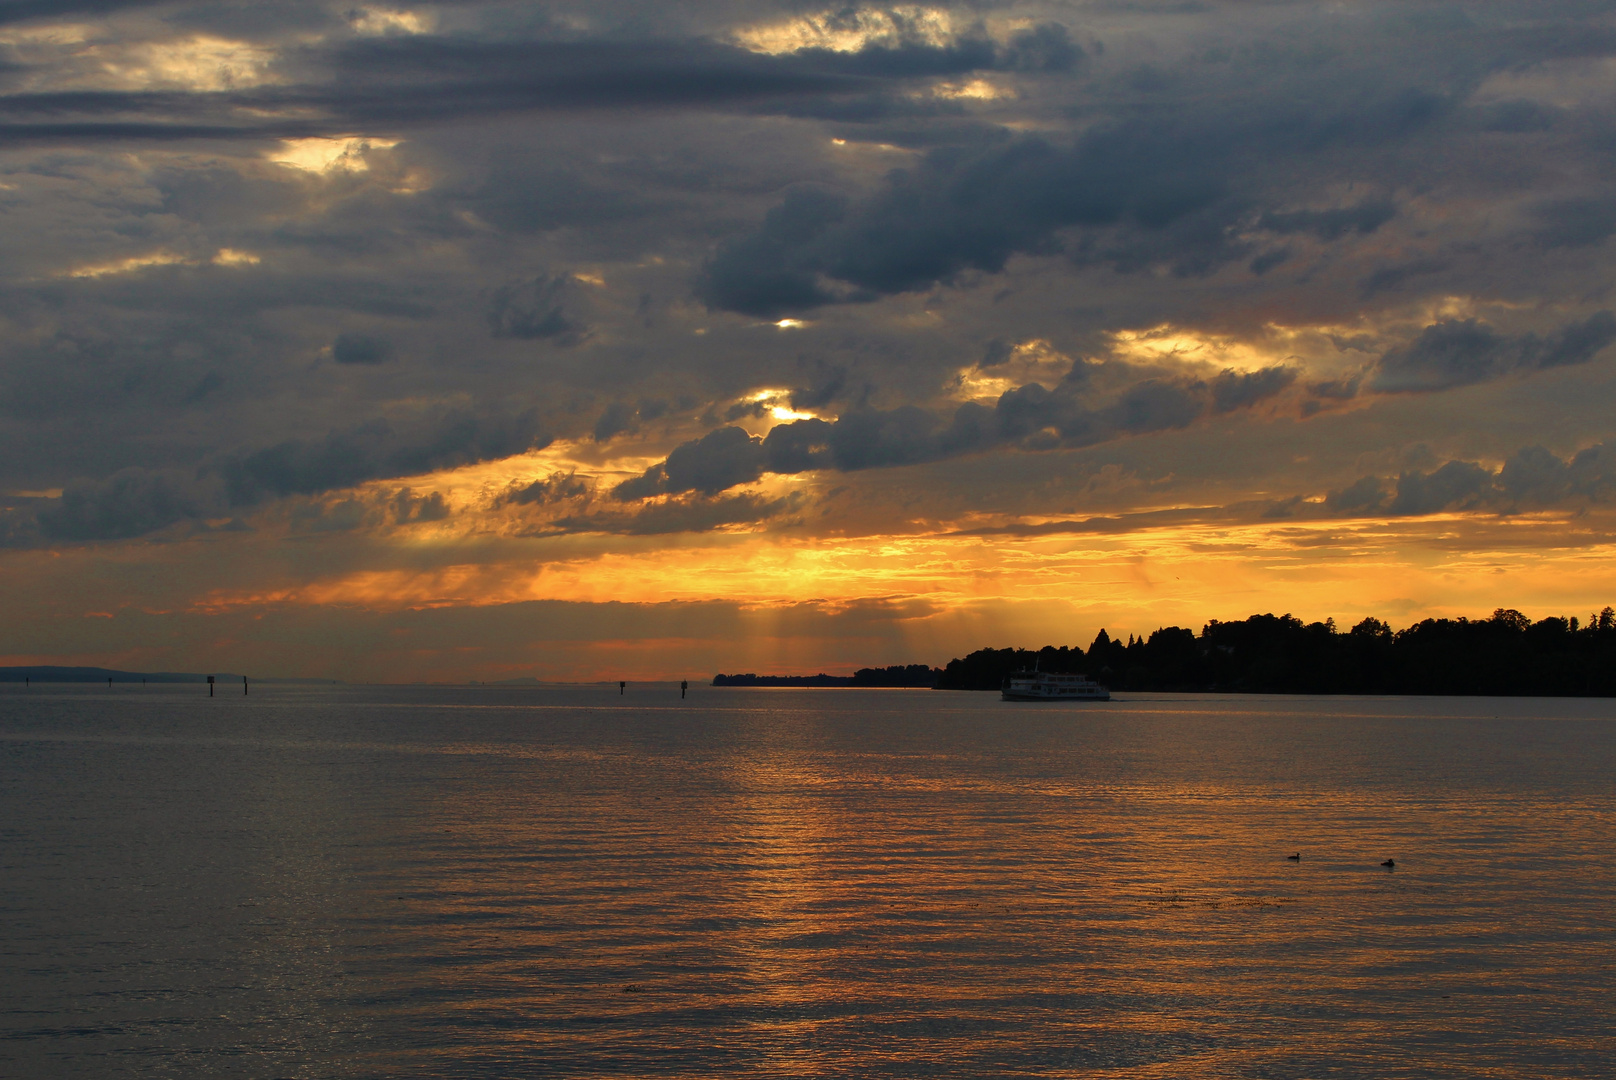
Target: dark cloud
(830, 385)
(873, 438)
(1571, 223)
(555, 488)
(594, 74)
(347, 513)
(1532, 475)
(376, 450)
(1453, 352)
(189, 293)
(1517, 117)
(1017, 414)
(1457, 485)
(1120, 523)
(330, 516)
(131, 502)
(1336, 389)
(1159, 405)
(740, 410)
(1268, 260)
(949, 215)
(1575, 344)
(718, 460)
(1459, 352)
(906, 60)
(360, 349)
(408, 507)
(1363, 343)
(617, 418)
(1535, 475)
(1030, 417)
(774, 270)
(1047, 47)
(537, 310)
(970, 211)
(136, 501)
(997, 352)
(408, 81)
(13, 11)
(652, 482)
(525, 193)
(206, 385)
(19, 528)
(690, 513)
(1365, 495)
(1392, 278)
(1362, 218)
(1237, 390)
(1281, 509)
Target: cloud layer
(332, 290)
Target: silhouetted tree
(897, 675)
(1505, 653)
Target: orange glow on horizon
(441, 603)
(1387, 568)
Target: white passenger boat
(1051, 686)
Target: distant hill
(47, 673)
(898, 675)
(782, 680)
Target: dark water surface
(567, 883)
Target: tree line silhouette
(1505, 654)
(898, 675)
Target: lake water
(487, 882)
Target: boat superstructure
(1053, 686)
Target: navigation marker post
(210, 686)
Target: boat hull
(1016, 695)
(1052, 686)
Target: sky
(436, 342)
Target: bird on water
(1295, 858)
(1389, 863)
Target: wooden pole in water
(210, 686)
(621, 687)
(684, 684)
(244, 686)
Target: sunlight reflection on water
(562, 882)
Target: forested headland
(898, 675)
(1505, 654)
